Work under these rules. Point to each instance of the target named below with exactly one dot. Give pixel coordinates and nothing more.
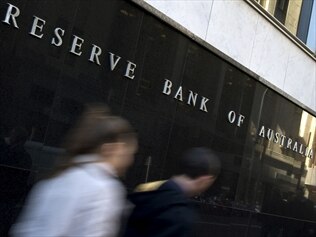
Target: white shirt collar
(94, 160)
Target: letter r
(12, 15)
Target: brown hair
(95, 127)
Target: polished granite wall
(262, 189)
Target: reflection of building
(269, 37)
(269, 168)
(310, 182)
(308, 132)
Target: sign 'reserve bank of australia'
(179, 93)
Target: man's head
(198, 169)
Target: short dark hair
(199, 161)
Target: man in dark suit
(163, 208)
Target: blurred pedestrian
(163, 208)
(84, 197)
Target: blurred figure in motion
(162, 208)
(84, 197)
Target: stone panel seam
(209, 20)
(253, 43)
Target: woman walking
(84, 197)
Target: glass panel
(311, 38)
(296, 16)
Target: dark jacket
(161, 210)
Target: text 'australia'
(286, 142)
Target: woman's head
(99, 132)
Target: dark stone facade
(43, 87)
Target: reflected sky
(311, 39)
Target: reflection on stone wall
(43, 89)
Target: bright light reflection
(303, 124)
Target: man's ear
(208, 177)
(207, 180)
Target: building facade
(58, 56)
(250, 34)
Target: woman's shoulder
(86, 180)
(89, 176)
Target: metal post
(148, 163)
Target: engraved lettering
(203, 104)
(76, 45)
(289, 142)
(114, 61)
(130, 70)
(262, 132)
(12, 13)
(95, 53)
(58, 41)
(37, 26)
(167, 87)
(178, 95)
(192, 97)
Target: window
(282, 7)
(311, 35)
(298, 16)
